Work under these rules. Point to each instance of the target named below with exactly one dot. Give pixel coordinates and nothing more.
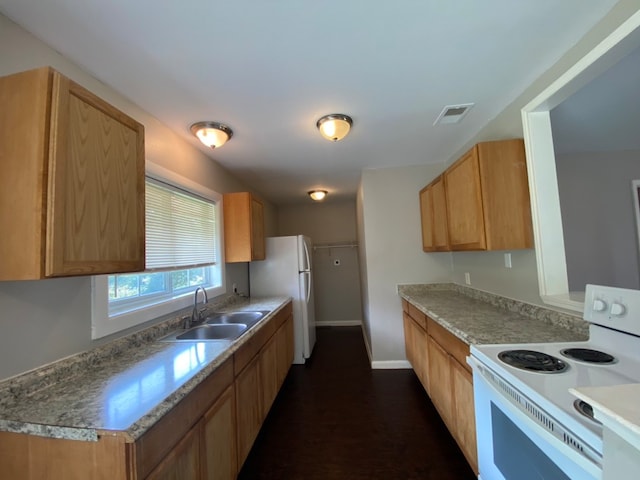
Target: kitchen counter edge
(478, 317)
(24, 385)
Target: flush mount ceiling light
(317, 195)
(334, 127)
(212, 134)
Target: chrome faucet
(196, 315)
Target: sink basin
(233, 318)
(218, 326)
(213, 332)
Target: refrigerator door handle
(306, 266)
(308, 281)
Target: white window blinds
(180, 228)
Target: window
(183, 252)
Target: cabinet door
(408, 339)
(433, 212)
(505, 195)
(463, 412)
(440, 229)
(72, 183)
(219, 439)
(23, 150)
(95, 204)
(427, 220)
(440, 380)
(248, 408)
(269, 374)
(243, 228)
(465, 218)
(183, 462)
(416, 346)
(421, 356)
(284, 349)
(257, 230)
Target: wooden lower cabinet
(207, 435)
(421, 349)
(439, 360)
(248, 407)
(440, 376)
(30, 457)
(463, 412)
(416, 343)
(259, 382)
(417, 349)
(285, 347)
(408, 339)
(183, 462)
(219, 459)
(269, 374)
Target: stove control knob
(599, 306)
(618, 309)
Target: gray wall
(336, 288)
(46, 320)
(598, 218)
(364, 273)
(390, 223)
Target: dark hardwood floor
(336, 419)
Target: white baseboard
(366, 344)
(390, 364)
(339, 323)
(383, 365)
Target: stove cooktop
(533, 360)
(551, 391)
(588, 355)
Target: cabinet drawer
(405, 306)
(452, 344)
(419, 317)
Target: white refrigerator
(287, 271)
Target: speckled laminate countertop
(123, 387)
(480, 317)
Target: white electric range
(528, 425)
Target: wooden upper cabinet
(72, 183)
(464, 203)
(487, 197)
(433, 213)
(243, 228)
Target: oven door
(511, 446)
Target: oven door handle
(591, 461)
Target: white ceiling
(271, 69)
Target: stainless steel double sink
(218, 326)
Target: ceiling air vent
(453, 113)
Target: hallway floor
(336, 419)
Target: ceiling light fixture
(334, 127)
(212, 134)
(317, 195)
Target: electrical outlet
(336, 262)
(507, 260)
(467, 278)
